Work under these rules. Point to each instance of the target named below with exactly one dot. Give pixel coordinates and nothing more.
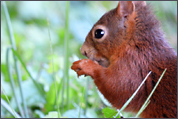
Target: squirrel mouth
(102, 62)
(98, 61)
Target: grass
(86, 96)
(52, 62)
(18, 58)
(148, 99)
(17, 67)
(9, 108)
(130, 99)
(24, 66)
(82, 97)
(12, 82)
(66, 57)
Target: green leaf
(52, 114)
(4, 71)
(109, 112)
(38, 114)
(51, 98)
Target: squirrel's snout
(83, 50)
(84, 53)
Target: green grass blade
(118, 113)
(86, 96)
(82, 97)
(9, 108)
(129, 100)
(66, 57)
(12, 82)
(80, 110)
(66, 50)
(147, 100)
(17, 68)
(52, 61)
(143, 108)
(23, 64)
(12, 39)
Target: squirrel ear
(125, 8)
(143, 3)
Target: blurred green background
(30, 28)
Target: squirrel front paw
(84, 67)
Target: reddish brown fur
(134, 47)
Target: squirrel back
(123, 46)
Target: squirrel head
(108, 33)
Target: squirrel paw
(84, 67)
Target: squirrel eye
(99, 33)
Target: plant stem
(9, 108)
(81, 99)
(34, 81)
(86, 96)
(12, 40)
(12, 82)
(147, 100)
(66, 56)
(52, 61)
(125, 105)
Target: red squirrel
(123, 47)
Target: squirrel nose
(83, 50)
(85, 54)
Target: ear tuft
(125, 8)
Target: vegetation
(40, 42)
